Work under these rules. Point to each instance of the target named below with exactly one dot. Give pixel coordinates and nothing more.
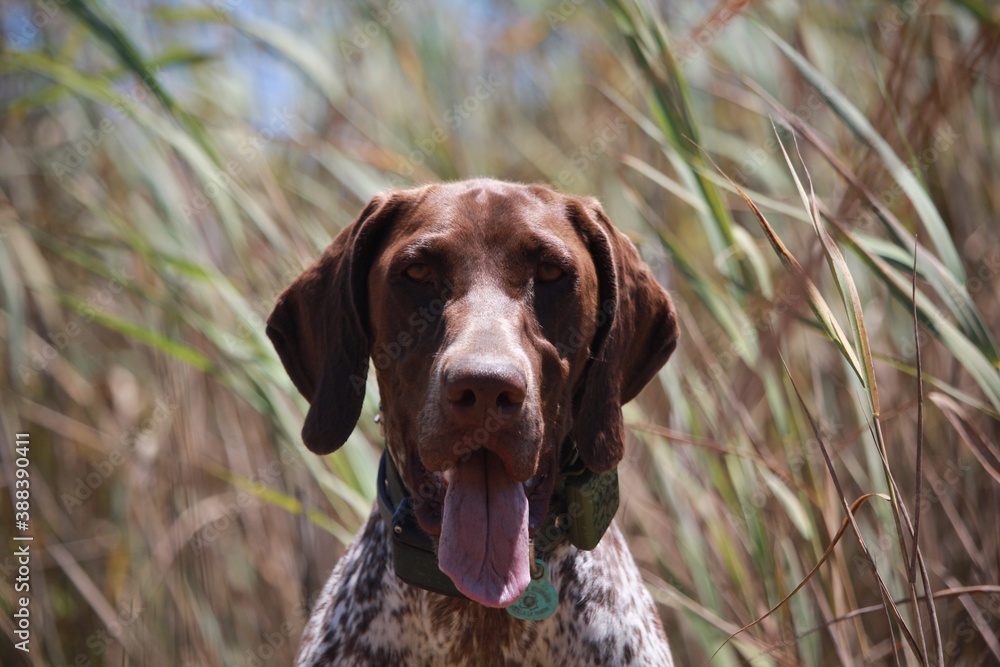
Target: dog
(508, 324)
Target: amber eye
(419, 272)
(547, 273)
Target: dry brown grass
(177, 518)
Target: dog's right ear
(319, 327)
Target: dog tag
(591, 501)
(539, 600)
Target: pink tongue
(484, 532)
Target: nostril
(461, 395)
(509, 402)
(475, 389)
(466, 399)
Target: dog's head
(503, 320)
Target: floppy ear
(637, 333)
(319, 327)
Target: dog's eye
(548, 273)
(419, 272)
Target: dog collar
(581, 508)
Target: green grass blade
(672, 109)
(860, 125)
(142, 334)
(969, 356)
(827, 321)
(952, 291)
(842, 277)
(116, 39)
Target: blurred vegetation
(815, 181)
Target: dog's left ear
(637, 332)
(319, 327)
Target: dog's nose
(477, 389)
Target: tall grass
(813, 479)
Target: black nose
(477, 388)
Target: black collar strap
(582, 506)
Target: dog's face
(482, 305)
(504, 321)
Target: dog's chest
(367, 616)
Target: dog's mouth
(483, 521)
